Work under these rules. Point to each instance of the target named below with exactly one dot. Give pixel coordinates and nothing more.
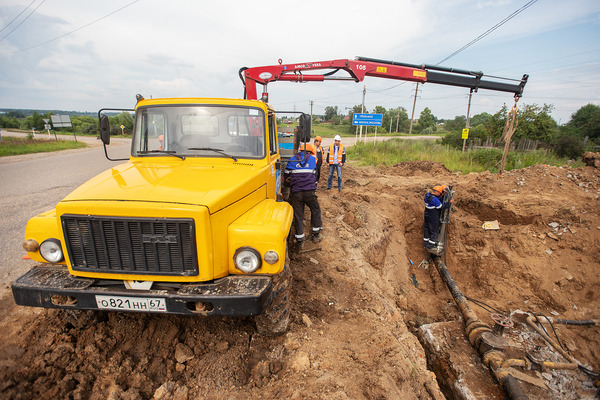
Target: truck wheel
(276, 316)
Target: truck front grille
(144, 246)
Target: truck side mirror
(304, 127)
(104, 129)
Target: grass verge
(394, 151)
(13, 146)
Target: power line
(20, 23)
(15, 18)
(498, 25)
(74, 30)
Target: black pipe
(493, 358)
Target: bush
(453, 139)
(490, 159)
(487, 157)
(569, 146)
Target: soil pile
(358, 298)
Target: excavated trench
(440, 327)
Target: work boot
(317, 237)
(300, 245)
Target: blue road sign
(367, 119)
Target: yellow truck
(192, 223)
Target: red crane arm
(356, 69)
(361, 67)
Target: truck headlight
(247, 259)
(51, 250)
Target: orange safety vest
(332, 153)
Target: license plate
(122, 303)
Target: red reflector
(26, 257)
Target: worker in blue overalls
(433, 211)
(299, 174)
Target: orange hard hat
(308, 147)
(161, 137)
(439, 188)
(319, 138)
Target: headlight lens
(51, 250)
(271, 257)
(247, 259)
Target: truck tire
(276, 316)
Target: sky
(87, 55)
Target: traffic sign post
(465, 136)
(367, 119)
(47, 126)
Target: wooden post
(468, 119)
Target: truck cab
(192, 223)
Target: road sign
(367, 119)
(465, 133)
(61, 121)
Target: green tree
(426, 121)
(6, 122)
(495, 125)
(35, 121)
(478, 119)
(457, 124)
(536, 123)
(586, 122)
(386, 119)
(358, 109)
(330, 112)
(401, 122)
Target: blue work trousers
(333, 167)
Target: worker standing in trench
(433, 210)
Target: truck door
(274, 181)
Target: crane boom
(361, 67)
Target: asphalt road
(34, 183)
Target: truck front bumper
(53, 287)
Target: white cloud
(182, 48)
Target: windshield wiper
(168, 152)
(220, 151)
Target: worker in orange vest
(336, 157)
(319, 155)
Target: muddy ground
(358, 301)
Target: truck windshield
(200, 131)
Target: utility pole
(363, 109)
(398, 120)
(311, 113)
(412, 117)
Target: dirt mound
(358, 298)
